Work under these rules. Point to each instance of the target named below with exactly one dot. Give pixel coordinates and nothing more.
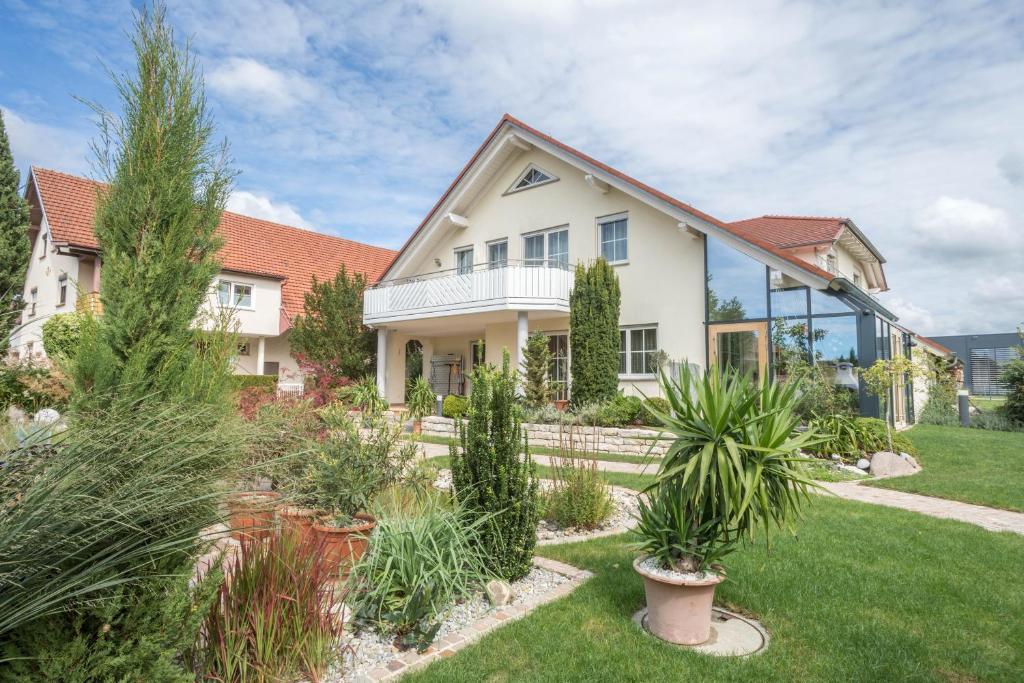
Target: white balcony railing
(528, 285)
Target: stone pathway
(987, 518)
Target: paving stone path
(979, 515)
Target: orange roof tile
(787, 232)
(251, 245)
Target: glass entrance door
(741, 346)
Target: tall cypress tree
(594, 333)
(155, 222)
(14, 245)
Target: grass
(865, 593)
(988, 402)
(969, 465)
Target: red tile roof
(754, 240)
(934, 344)
(251, 245)
(787, 232)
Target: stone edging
(448, 645)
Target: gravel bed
(369, 649)
(652, 566)
(624, 509)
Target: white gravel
(369, 649)
(652, 566)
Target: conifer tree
(489, 477)
(155, 224)
(594, 333)
(536, 363)
(14, 245)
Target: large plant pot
(298, 521)
(251, 514)
(678, 609)
(341, 547)
(417, 427)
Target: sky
(353, 117)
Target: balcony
(532, 285)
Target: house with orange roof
(493, 261)
(267, 269)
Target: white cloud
(261, 206)
(964, 228)
(910, 314)
(259, 86)
(39, 144)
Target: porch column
(261, 354)
(96, 274)
(522, 334)
(382, 360)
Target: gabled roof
(508, 121)
(787, 232)
(251, 245)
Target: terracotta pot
(561, 406)
(251, 514)
(417, 427)
(341, 547)
(678, 610)
(297, 520)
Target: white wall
(662, 283)
(263, 318)
(44, 270)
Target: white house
(493, 259)
(267, 269)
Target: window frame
(244, 348)
(457, 252)
(601, 222)
(62, 290)
(628, 330)
(502, 263)
(546, 233)
(232, 284)
(45, 237)
(512, 189)
(33, 295)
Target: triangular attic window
(532, 177)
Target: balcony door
(741, 346)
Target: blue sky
(352, 118)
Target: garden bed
(372, 657)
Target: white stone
(863, 464)
(886, 464)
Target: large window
(638, 351)
(613, 233)
(464, 260)
(497, 254)
(550, 247)
(737, 285)
(835, 347)
(234, 294)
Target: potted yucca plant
(420, 401)
(734, 465)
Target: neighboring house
(267, 269)
(493, 259)
(984, 357)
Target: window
(832, 264)
(464, 260)
(558, 372)
(737, 285)
(45, 238)
(62, 290)
(638, 351)
(243, 349)
(531, 177)
(550, 247)
(497, 254)
(234, 294)
(614, 244)
(33, 299)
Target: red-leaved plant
(323, 380)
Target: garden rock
(863, 464)
(886, 464)
(498, 592)
(47, 416)
(16, 416)
(909, 458)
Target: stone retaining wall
(634, 441)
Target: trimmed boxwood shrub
(454, 406)
(657, 403)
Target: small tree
(489, 477)
(594, 333)
(156, 225)
(331, 331)
(881, 378)
(1013, 378)
(14, 246)
(536, 363)
(62, 335)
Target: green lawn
(864, 594)
(970, 465)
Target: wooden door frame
(761, 327)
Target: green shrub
(276, 619)
(62, 334)
(620, 411)
(267, 383)
(489, 478)
(819, 394)
(651, 404)
(874, 438)
(1013, 377)
(733, 467)
(454, 407)
(536, 364)
(366, 397)
(579, 496)
(420, 398)
(995, 420)
(594, 333)
(418, 565)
